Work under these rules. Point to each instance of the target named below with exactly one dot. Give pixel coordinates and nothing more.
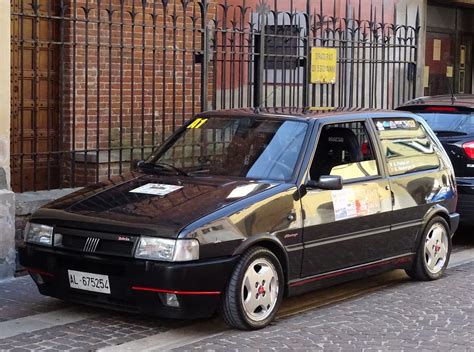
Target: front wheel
(255, 290)
(433, 252)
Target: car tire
(255, 290)
(433, 252)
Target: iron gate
(96, 84)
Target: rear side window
(407, 146)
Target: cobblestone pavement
(20, 302)
(19, 298)
(428, 316)
(436, 315)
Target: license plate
(89, 281)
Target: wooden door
(35, 95)
(465, 63)
(439, 60)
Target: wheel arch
(272, 244)
(435, 210)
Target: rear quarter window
(407, 146)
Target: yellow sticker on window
(197, 123)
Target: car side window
(345, 150)
(408, 148)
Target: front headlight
(167, 250)
(39, 234)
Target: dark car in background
(451, 117)
(241, 208)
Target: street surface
(385, 312)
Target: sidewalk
(30, 321)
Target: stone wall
(26, 204)
(7, 197)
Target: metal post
(415, 55)
(259, 65)
(205, 58)
(307, 56)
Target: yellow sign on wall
(323, 65)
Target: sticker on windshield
(156, 189)
(395, 124)
(197, 123)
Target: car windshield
(450, 122)
(250, 147)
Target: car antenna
(262, 104)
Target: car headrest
(340, 138)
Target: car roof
(309, 113)
(460, 100)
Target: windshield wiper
(448, 132)
(165, 166)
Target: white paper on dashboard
(157, 189)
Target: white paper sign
(157, 189)
(344, 204)
(350, 203)
(242, 191)
(436, 49)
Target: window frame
(375, 144)
(163, 147)
(437, 147)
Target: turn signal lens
(186, 250)
(469, 149)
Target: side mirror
(326, 182)
(135, 164)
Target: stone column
(7, 197)
(409, 8)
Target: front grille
(95, 242)
(73, 242)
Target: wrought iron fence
(98, 83)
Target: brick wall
(130, 80)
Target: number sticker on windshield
(197, 123)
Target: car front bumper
(137, 286)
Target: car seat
(336, 146)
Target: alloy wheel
(260, 289)
(436, 248)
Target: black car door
(346, 227)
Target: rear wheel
(255, 290)
(434, 251)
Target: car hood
(139, 203)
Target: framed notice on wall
(323, 65)
(436, 49)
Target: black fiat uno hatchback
(241, 208)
